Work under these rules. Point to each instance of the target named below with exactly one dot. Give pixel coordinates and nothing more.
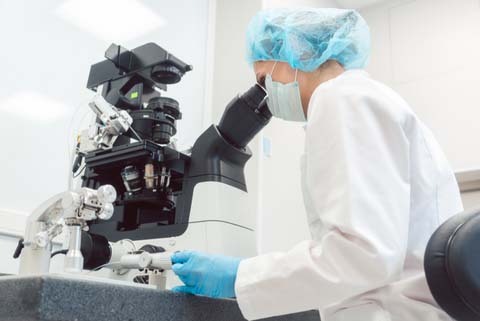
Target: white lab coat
(376, 185)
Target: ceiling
(358, 4)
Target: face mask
(284, 99)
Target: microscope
(136, 184)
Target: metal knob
(107, 212)
(41, 239)
(107, 194)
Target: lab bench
(61, 298)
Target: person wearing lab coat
(375, 183)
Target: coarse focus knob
(107, 194)
(162, 261)
(135, 261)
(107, 212)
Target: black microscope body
(155, 181)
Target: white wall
(471, 200)
(282, 222)
(232, 75)
(300, 3)
(428, 50)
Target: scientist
(375, 183)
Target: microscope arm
(41, 227)
(72, 209)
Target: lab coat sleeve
(357, 196)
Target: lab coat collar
(346, 73)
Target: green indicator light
(134, 95)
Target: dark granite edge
(22, 295)
(50, 298)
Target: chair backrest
(452, 266)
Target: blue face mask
(284, 99)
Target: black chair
(452, 266)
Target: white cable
(72, 149)
(131, 242)
(102, 266)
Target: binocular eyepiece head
(245, 116)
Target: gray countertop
(60, 298)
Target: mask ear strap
(296, 72)
(271, 72)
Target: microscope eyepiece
(245, 116)
(254, 96)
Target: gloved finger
(178, 269)
(187, 281)
(183, 274)
(182, 257)
(184, 289)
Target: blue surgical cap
(307, 37)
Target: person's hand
(207, 275)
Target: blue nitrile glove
(207, 275)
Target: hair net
(307, 37)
